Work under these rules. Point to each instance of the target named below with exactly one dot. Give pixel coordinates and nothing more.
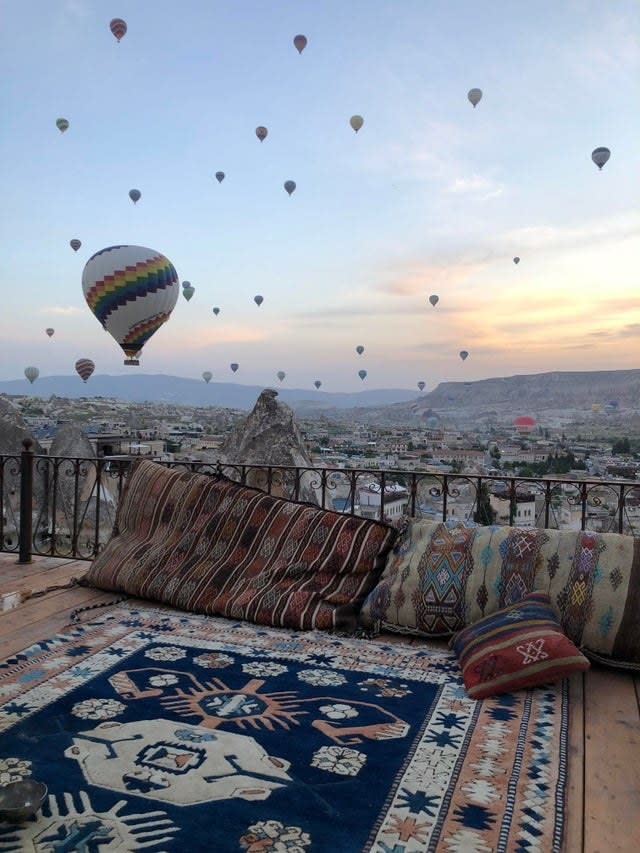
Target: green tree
(485, 513)
(621, 445)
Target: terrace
(58, 512)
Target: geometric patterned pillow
(520, 646)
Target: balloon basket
(132, 362)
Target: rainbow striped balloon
(132, 291)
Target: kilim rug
(160, 731)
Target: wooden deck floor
(603, 800)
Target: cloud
(551, 237)
(64, 310)
(476, 186)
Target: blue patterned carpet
(160, 731)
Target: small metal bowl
(21, 800)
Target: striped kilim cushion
(522, 645)
(208, 545)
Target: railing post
(26, 501)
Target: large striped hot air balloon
(132, 291)
(31, 373)
(84, 368)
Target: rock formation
(13, 431)
(269, 435)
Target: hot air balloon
(362, 374)
(600, 156)
(207, 376)
(234, 366)
(474, 96)
(31, 373)
(84, 368)
(49, 332)
(75, 244)
(216, 311)
(300, 42)
(118, 27)
(516, 260)
(359, 349)
(289, 186)
(261, 133)
(188, 290)
(356, 122)
(434, 299)
(62, 124)
(258, 300)
(422, 385)
(135, 196)
(281, 374)
(132, 291)
(317, 383)
(464, 355)
(220, 177)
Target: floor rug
(161, 731)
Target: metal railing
(65, 507)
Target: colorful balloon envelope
(281, 374)
(434, 299)
(135, 196)
(317, 383)
(234, 367)
(62, 124)
(50, 332)
(474, 96)
(75, 244)
(31, 373)
(132, 291)
(216, 311)
(600, 156)
(290, 186)
(220, 177)
(516, 260)
(207, 376)
(359, 349)
(118, 27)
(84, 368)
(261, 133)
(356, 122)
(464, 355)
(362, 374)
(258, 300)
(422, 385)
(300, 42)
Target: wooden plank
(11, 569)
(574, 801)
(39, 581)
(612, 763)
(36, 610)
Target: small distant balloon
(234, 366)
(516, 260)
(31, 373)
(207, 376)
(356, 122)
(220, 177)
(50, 332)
(281, 374)
(289, 186)
(187, 291)
(258, 300)
(216, 311)
(317, 383)
(75, 244)
(434, 299)
(84, 368)
(359, 349)
(362, 374)
(300, 42)
(118, 27)
(600, 156)
(135, 196)
(261, 133)
(62, 124)
(464, 355)
(422, 385)
(474, 96)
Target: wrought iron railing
(65, 507)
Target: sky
(431, 196)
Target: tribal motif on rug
(161, 731)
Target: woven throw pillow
(519, 646)
(209, 545)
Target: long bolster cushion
(209, 545)
(442, 578)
